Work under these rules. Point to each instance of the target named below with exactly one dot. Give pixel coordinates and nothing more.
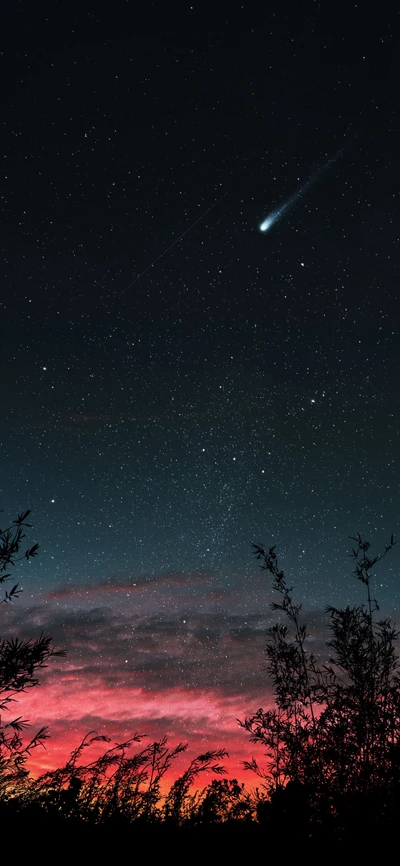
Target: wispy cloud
(139, 584)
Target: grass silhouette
(332, 743)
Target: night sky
(160, 412)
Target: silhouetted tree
(20, 660)
(335, 729)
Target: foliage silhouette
(334, 734)
(223, 801)
(178, 804)
(20, 660)
(10, 543)
(332, 741)
(119, 786)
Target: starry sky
(175, 383)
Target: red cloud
(203, 718)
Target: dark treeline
(331, 743)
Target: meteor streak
(171, 245)
(277, 214)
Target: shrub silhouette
(223, 801)
(178, 807)
(19, 663)
(335, 729)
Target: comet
(280, 211)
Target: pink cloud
(203, 718)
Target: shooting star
(172, 245)
(277, 214)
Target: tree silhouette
(335, 730)
(20, 660)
